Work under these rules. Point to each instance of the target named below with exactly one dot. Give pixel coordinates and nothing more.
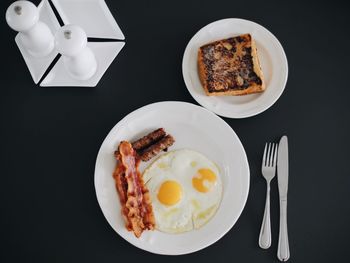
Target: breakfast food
(150, 145)
(134, 196)
(230, 67)
(182, 192)
(185, 189)
(148, 139)
(154, 149)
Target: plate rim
(245, 194)
(237, 115)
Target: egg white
(194, 208)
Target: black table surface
(50, 136)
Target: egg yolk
(169, 193)
(204, 180)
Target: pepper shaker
(35, 36)
(79, 60)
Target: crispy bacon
(122, 188)
(134, 196)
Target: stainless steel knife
(282, 176)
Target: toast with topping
(230, 67)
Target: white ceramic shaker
(79, 60)
(36, 37)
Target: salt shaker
(79, 60)
(36, 36)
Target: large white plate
(195, 128)
(272, 59)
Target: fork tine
(275, 155)
(264, 156)
(268, 159)
(272, 154)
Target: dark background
(50, 136)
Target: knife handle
(265, 231)
(283, 244)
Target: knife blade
(282, 168)
(283, 252)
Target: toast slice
(230, 67)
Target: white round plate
(193, 127)
(272, 59)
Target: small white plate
(193, 127)
(272, 59)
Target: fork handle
(265, 231)
(283, 244)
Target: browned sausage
(154, 149)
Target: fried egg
(185, 189)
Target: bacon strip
(134, 196)
(122, 188)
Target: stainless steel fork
(268, 170)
